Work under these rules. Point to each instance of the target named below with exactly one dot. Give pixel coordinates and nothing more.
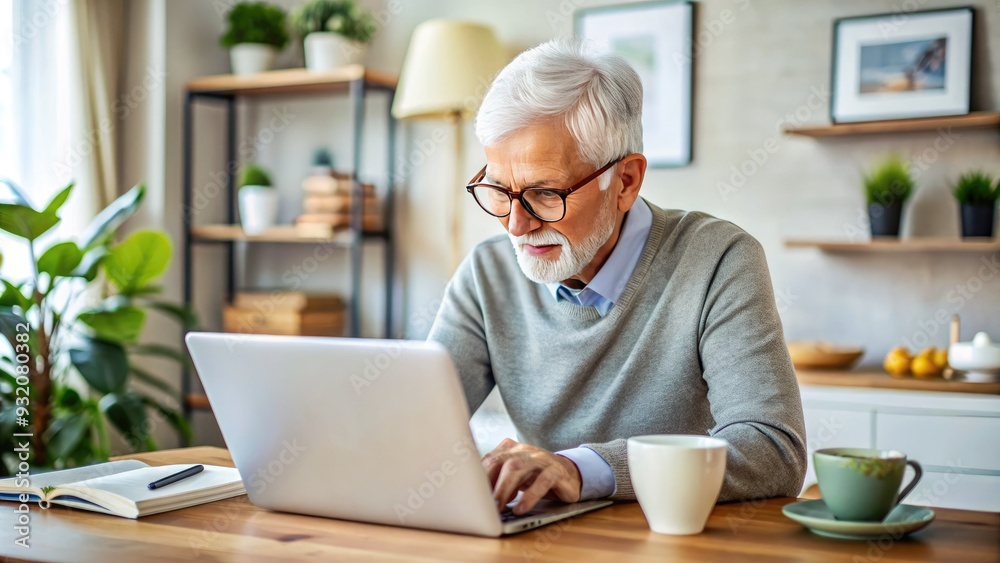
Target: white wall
(750, 74)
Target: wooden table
(234, 529)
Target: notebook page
(89, 472)
(134, 485)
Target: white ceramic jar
(252, 58)
(258, 208)
(326, 51)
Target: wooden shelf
(289, 81)
(282, 233)
(900, 245)
(869, 379)
(977, 120)
(197, 401)
(877, 379)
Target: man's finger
(506, 444)
(544, 481)
(513, 472)
(492, 462)
(565, 491)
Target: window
(36, 93)
(8, 157)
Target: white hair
(598, 95)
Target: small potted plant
(334, 32)
(977, 198)
(322, 163)
(258, 200)
(255, 34)
(887, 187)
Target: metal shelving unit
(356, 81)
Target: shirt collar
(610, 281)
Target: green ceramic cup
(860, 484)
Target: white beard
(571, 260)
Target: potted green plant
(334, 32)
(70, 337)
(255, 34)
(887, 187)
(322, 163)
(977, 198)
(258, 200)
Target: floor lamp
(448, 68)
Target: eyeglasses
(545, 204)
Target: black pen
(193, 470)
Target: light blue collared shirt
(597, 479)
(609, 283)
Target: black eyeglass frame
(477, 182)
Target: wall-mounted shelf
(280, 233)
(977, 120)
(900, 245)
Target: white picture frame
(902, 66)
(656, 38)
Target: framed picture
(655, 37)
(902, 65)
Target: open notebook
(120, 487)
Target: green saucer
(813, 514)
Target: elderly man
(604, 316)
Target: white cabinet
(833, 428)
(941, 440)
(955, 437)
(956, 490)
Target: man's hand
(514, 467)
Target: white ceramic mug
(677, 479)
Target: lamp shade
(447, 69)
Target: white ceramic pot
(251, 58)
(980, 355)
(258, 208)
(326, 51)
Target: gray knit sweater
(693, 346)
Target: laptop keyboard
(507, 515)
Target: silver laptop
(366, 430)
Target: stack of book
(328, 200)
(294, 313)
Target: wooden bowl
(823, 355)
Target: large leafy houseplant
(72, 337)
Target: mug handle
(918, 473)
